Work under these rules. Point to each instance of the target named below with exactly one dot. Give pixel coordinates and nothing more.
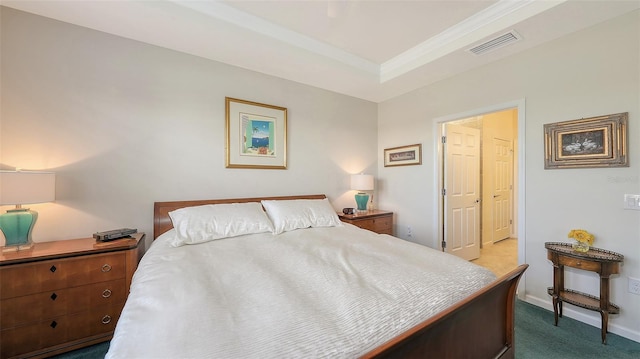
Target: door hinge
(444, 139)
(444, 191)
(511, 221)
(444, 245)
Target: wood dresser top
(68, 248)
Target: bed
(304, 286)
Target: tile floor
(500, 257)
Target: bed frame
(481, 326)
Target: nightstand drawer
(379, 225)
(55, 331)
(61, 273)
(373, 220)
(60, 302)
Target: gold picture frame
(589, 142)
(403, 155)
(256, 135)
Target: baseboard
(593, 320)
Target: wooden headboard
(162, 221)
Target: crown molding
(496, 17)
(258, 25)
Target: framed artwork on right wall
(588, 142)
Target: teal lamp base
(361, 200)
(16, 225)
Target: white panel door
(502, 186)
(462, 191)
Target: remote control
(114, 234)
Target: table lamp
(18, 188)
(362, 183)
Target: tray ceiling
(374, 50)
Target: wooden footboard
(481, 326)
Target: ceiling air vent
(496, 43)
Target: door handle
(496, 195)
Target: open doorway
(484, 227)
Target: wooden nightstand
(601, 261)
(373, 220)
(63, 295)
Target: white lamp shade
(25, 187)
(362, 182)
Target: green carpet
(536, 338)
(97, 351)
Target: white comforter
(309, 293)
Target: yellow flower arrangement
(581, 235)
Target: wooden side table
(374, 220)
(63, 295)
(601, 261)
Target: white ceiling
(374, 50)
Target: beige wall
(124, 124)
(584, 74)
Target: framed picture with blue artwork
(587, 142)
(256, 135)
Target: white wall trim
(593, 320)
(256, 24)
(495, 18)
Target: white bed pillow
(216, 221)
(288, 215)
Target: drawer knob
(106, 319)
(53, 296)
(106, 268)
(106, 293)
(53, 324)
